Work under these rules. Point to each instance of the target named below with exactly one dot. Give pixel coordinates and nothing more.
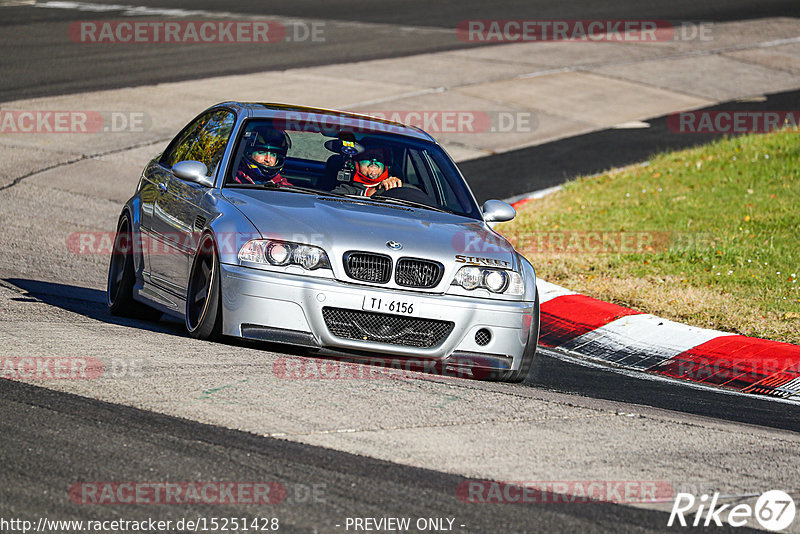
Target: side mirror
(498, 211)
(193, 171)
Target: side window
(212, 140)
(443, 186)
(204, 140)
(410, 173)
(182, 144)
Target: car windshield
(317, 157)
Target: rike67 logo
(774, 511)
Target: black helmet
(276, 142)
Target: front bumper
(289, 308)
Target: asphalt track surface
(73, 432)
(45, 61)
(51, 439)
(549, 372)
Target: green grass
(725, 220)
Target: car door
(155, 180)
(177, 211)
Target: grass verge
(706, 236)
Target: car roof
(268, 110)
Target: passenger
(263, 159)
(371, 174)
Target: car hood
(342, 224)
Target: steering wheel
(381, 190)
(408, 192)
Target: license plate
(390, 305)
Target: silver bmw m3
(342, 233)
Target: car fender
(230, 227)
(528, 278)
(132, 209)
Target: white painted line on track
(631, 125)
(534, 195)
(146, 11)
(131, 11)
(779, 42)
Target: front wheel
(520, 374)
(528, 355)
(203, 309)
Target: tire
(203, 302)
(515, 377)
(122, 278)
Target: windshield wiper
(404, 202)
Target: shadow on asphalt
(548, 372)
(91, 303)
(85, 301)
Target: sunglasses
(265, 154)
(373, 161)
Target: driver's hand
(391, 182)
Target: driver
(371, 174)
(263, 159)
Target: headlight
(495, 280)
(278, 253)
(281, 253)
(252, 251)
(469, 277)
(308, 257)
